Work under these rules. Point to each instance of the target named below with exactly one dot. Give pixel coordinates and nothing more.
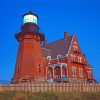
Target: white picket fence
(51, 87)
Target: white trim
(80, 70)
(71, 44)
(54, 58)
(46, 72)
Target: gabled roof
(58, 47)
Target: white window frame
(74, 68)
(89, 74)
(58, 57)
(79, 59)
(80, 72)
(72, 57)
(75, 48)
(49, 59)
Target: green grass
(48, 96)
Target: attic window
(75, 42)
(75, 47)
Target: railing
(51, 87)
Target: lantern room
(30, 18)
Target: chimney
(65, 35)
(45, 42)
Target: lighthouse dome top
(30, 17)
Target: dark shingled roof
(46, 52)
(58, 47)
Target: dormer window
(49, 58)
(58, 56)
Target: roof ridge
(58, 40)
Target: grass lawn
(48, 96)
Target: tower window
(39, 68)
(36, 38)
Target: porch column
(53, 72)
(61, 70)
(46, 72)
(67, 70)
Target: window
(58, 56)
(36, 38)
(75, 48)
(73, 71)
(72, 57)
(80, 59)
(39, 68)
(75, 42)
(49, 58)
(89, 74)
(80, 72)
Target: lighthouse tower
(29, 63)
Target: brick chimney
(65, 35)
(44, 42)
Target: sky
(79, 17)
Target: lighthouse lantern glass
(30, 18)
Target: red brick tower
(29, 63)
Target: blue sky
(79, 17)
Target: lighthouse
(29, 62)
(59, 61)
